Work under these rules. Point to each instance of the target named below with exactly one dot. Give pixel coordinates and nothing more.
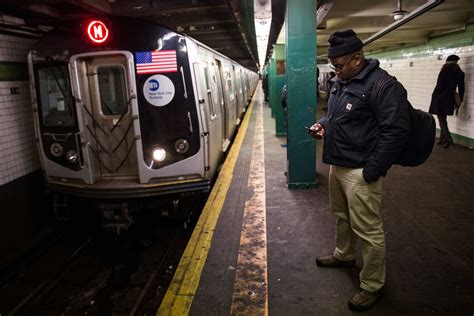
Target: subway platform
(253, 250)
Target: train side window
(206, 75)
(208, 92)
(228, 85)
(215, 92)
(239, 82)
(112, 90)
(55, 96)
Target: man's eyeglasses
(339, 67)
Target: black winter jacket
(442, 99)
(362, 135)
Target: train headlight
(72, 156)
(56, 149)
(181, 145)
(159, 154)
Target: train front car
(115, 113)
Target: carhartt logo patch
(349, 106)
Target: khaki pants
(356, 205)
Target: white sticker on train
(158, 90)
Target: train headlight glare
(56, 149)
(159, 154)
(181, 145)
(72, 156)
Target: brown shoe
(363, 300)
(332, 262)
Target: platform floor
(428, 216)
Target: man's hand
(316, 131)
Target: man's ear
(358, 59)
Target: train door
(210, 104)
(244, 89)
(245, 83)
(240, 95)
(105, 90)
(216, 86)
(229, 101)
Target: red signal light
(97, 31)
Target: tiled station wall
(24, 211)
(417, 68)
(18, 151)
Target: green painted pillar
(279, 50)
(300, 30)
(271, 83)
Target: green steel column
(271, 83)
(300, 30)
(279, 81)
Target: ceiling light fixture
(263, 21)
(399, 13)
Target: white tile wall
(14, 48)
(419, 75)
(18, 151)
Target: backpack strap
(380, 81)
(378, 86)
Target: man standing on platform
(362, 139)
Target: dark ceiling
(228, 25)
(224, 25)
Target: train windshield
(56, 102)
(112, 89)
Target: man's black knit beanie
(343, 43)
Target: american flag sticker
(153, 62)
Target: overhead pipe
(430, 4)
(407, 18)
(323, 10)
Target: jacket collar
(369, 65)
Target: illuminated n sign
(97, 32)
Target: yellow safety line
(180, 294)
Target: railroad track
(101, 274)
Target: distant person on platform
(361, 142)
(331, 79)
(317, 82)
(330, 83)
(265, 85)
(284, 93)
(443, 98)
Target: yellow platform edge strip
(180, 294)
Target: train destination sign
(97, 32)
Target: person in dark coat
(330, 83)
(442, 100)
(361, 142)
(284, 93)
(265, 85)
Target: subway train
(128, 111)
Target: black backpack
(422, 131)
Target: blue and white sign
(158, 90)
